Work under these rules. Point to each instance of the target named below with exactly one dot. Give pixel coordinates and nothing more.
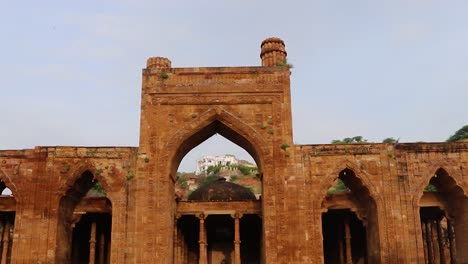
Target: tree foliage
(430, 188)
(350, 140)
(213, 169)
(245, 170)
(460, 135)
(389, 140)
(208, 179)
(182, 181)
(338, 187)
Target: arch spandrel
(361, 175)
(215, 120)
(455, 174)
(101, 176)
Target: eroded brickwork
(251, 106)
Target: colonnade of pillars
(344, 237)
(99, 245)
(436, 240)
(6, 241)
(181, 250)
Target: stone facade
(251, 106)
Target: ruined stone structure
(386, 216)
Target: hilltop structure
(210, 161)
(386, 216)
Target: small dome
(221, 190)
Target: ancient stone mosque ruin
(401, 203)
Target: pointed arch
(440, 166)
(363, 195)
(448, 204)
(8, 215)
(359, 174)
(10, 184)
(86, 166)
(74, 190)
(215, 120)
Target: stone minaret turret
(158, 63)
(273, 52)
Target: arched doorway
(444, 214)
(84, 223)
(217, 219)
(7, 222)
(349, 222)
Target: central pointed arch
(213, 121)
(218, 121)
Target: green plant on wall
(430, 188)
(284, 146)
(284, 64)
(97, 187)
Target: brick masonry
(251, 106)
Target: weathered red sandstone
(385, 217)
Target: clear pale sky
(70, 71)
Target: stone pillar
(237, 241)
(102, 243)
(341, 245)
(349, 256)
(440, 239)
(92, 243)
(430, 249)
(6, 241)
(203, 256)
(424, 236)
(435, 243)
(451, 235)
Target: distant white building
(207, 161)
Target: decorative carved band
(210, 100)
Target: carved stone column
(424, 236)
(237, 241)
(435, 242)
(6, 241)
(92, 243)
(349, 257)
(203, 256)
(102, 243)
(440, 239)
(451, 235)
(430, 249)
